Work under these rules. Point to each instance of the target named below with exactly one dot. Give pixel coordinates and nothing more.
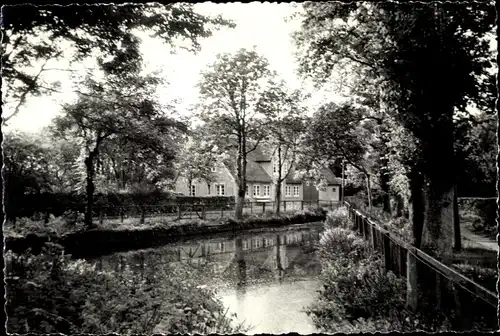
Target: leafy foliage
(50, 293)
(230, 91)
(36, 34)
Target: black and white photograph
(250, 168)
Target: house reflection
(241, 261)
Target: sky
(260, 25)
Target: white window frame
(266, 190)
(220, 189)
(192, 190)
(245, 245)
(256, 190)
(296, 191)
(288, 190)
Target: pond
(267, 277)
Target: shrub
(49, 293)
(338, 217)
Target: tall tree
(335, 132)
(415, 51)
(230, 91)
(285, 113)
(119, 108)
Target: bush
(50, 293)
(358, 295)
(338, 217)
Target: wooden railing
(464, 301)
(178, 211)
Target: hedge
(110, 203)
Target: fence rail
(465, 301)
(178, 211)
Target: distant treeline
(109, 204)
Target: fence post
(373, 237)
(191, 212)
(251, 207)
(331, 205)
(203, 212)
(263, 207)
(402, 260)
(284, 205)
(361, 227)
(101, 219)
(301, 205)
(387, 252)
(221, 211)
(121, 214)
(411, 282)
(143, 215)
(178, 211)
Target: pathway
(475, 240)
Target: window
(245, 245)
(256, 190)
(220, 189)
(334, 189)
(296, 192)
(257, 243)
(275, 168)
(267, 190)
(222, 246)
(253, 243)
(308, 183)
(247, 190)
(288, 191)
(192, 190)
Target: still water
(266, 277)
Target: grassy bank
(102, 241)
(358, 295)
(50, 293)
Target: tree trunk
(368, 190)
(277, 192)
(456, 221)
(277, 197)
(241, 178)
(417, 206)
(384, 184)
(438, 228)
(89, 165)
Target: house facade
(260, 186)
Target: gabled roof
(257, 155)
(255, 173)
(330, 177)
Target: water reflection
(266, 277)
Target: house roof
(330, 177)
(257, 155)
(255, 173)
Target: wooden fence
(466, 303)
(178, 211)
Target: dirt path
(475, 240)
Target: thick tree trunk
(417, 207)
(438, 227)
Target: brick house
(260, 186)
